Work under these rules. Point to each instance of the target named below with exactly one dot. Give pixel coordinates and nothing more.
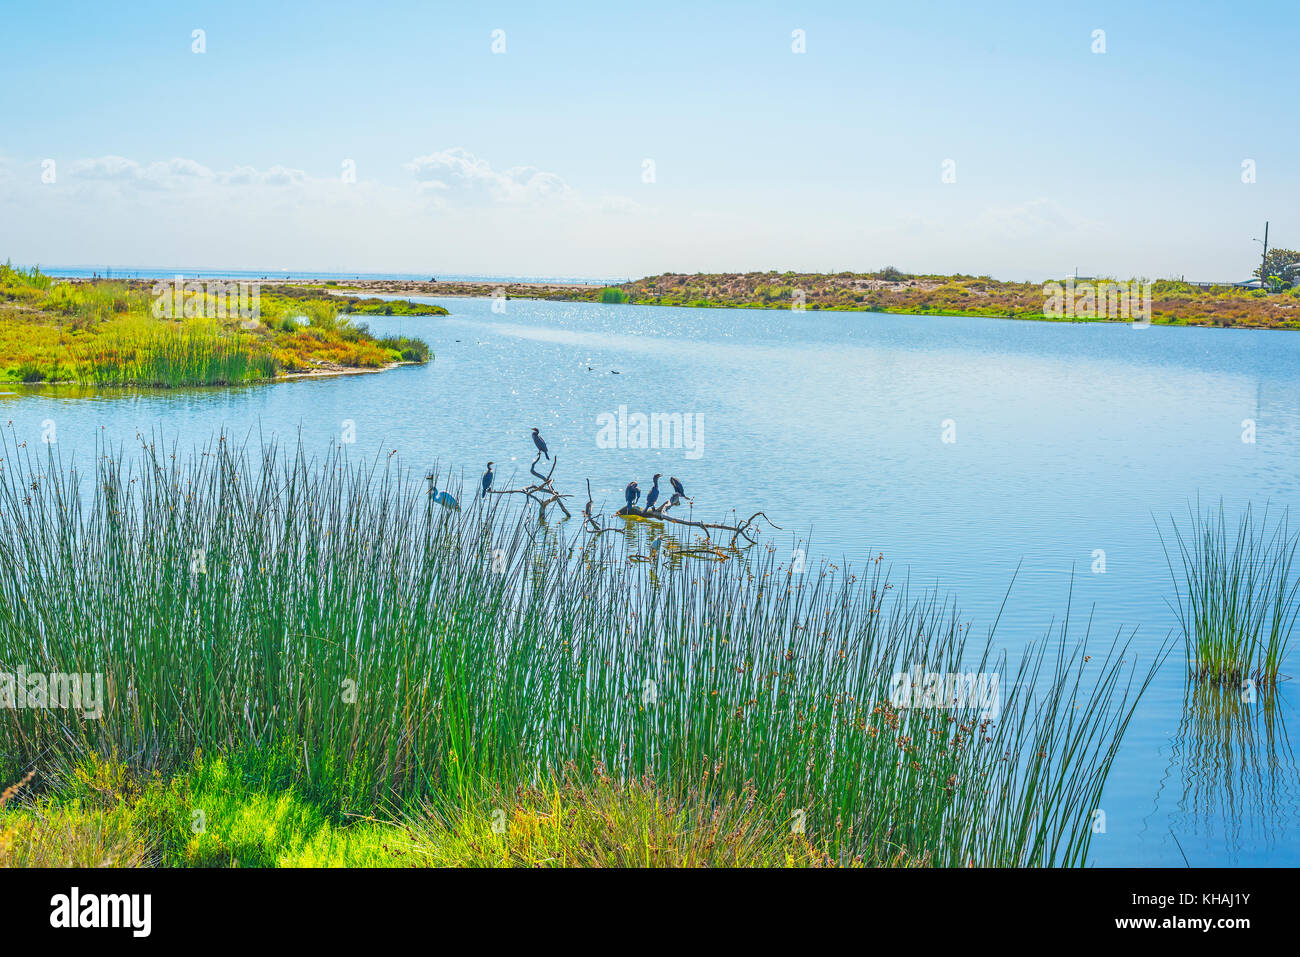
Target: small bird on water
(541, 444)
(487, 481)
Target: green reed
(175, 359)
(1236, 598)
(241, 599)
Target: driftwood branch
(544, 494)
(543, 491)
(743, 530)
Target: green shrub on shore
(409, 350)
(374, 306)
(242, 599)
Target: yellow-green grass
(217, 813)
(108, 333)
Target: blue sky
(530, 162)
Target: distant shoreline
(1173, 302)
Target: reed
(175, 359)
(1236, 595)
(253, 599)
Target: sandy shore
(337, 370)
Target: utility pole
(1263, 271)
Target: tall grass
(32, 278)
(1237, 594)
(175, 359)
(255, 598)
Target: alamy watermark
(1103, 299)
(35, 689)
(213, 299)
(658, 430)
(958, 690)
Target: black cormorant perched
(541, 444)
(487, 481)
(677, 486)
(652, 496)
(631, 493)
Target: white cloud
(177, 173)
(458, 174)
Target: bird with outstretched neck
(631, 493)
(652, 496)
(541, 444)
(487, 481)
(443, 498)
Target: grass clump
(221, 813)
(609, 823)
(1236, 597)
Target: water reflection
(1237, 772)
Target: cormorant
(541, 444)
(652, 496)
(631, 493)
(487, 481)
(677, 486)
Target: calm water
(1068, 440)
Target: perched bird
(487, 481)
(631, 493)
(541, 444)
(652, 496)
(677, 486)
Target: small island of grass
(171, 334)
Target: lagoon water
(1069, 443)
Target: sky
(620, 140)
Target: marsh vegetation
(349, 648)
(112, 333)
